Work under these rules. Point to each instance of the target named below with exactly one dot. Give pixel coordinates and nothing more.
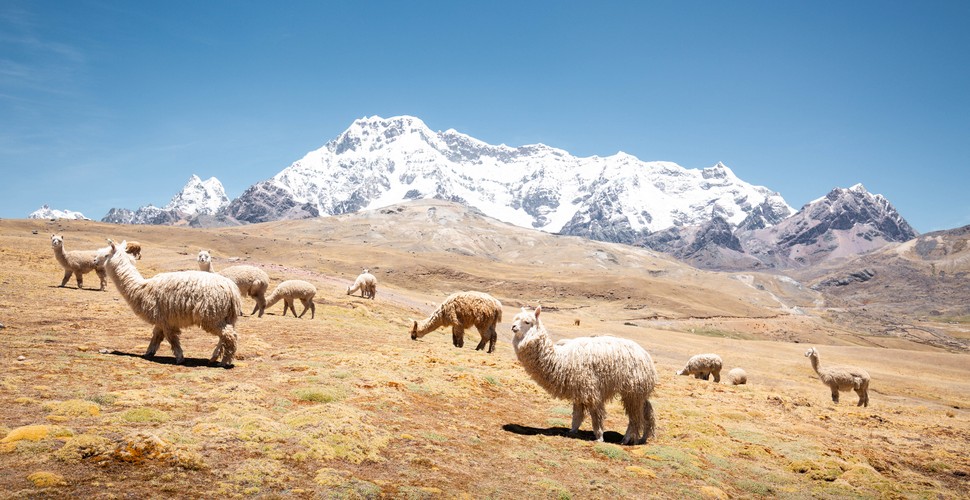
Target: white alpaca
(461, 310)
(702, 366)
(76, 262)
(589, 371)
(842, 378)
(251, 280)
(290, 290)
(172, 301)
(737, 376)
(366, 283)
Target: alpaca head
(114, 252)
(205, 260)
(414, 330)
(57, 241)
(523, 322)
(811, 352)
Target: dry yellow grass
(346, 405)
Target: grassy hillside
(346, 405)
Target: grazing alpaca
(366, 283)
(172, 301)
(461, 310)
(251, 280)
(77, 262)
(737, 376)
(702, 366)
(842, 378)
(290, 290)
(589, 371)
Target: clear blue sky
(116, 103)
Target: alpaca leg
(104, 278)
(67, 276)
(650, 422)
(217, 352)
(835, 394)
(286, 305)
(704, 376)
(173, 339)
(458, 336)
(157, 335)
(486, 336)
(313, 309)
(634, 413)
(493, 336)
(228, 339)
(717, 375)
(306, 305)
(597, 413)
(260, 305)
(579, 412)
(80, 279)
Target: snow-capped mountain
(46, 212)
(378, 162)
(197, 198)
(845, 222)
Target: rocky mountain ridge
(708, 217)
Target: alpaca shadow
(76, 288)
(170, 360)
(522, 430)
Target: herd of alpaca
(588, 371)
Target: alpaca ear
(538, 310)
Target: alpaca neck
(125, 276)
(537, 353)
(815, 363)
(205, 266)
(432, 323)
(59, 254)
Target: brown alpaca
(461, 310)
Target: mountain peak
(46, 212)
(199, 197)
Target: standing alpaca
(461, 310)
(77, 262)
(172, 301)
(251, 280)
(842, 378)
(290, 290)
(589, 371)
(702, 366)
(366, 283)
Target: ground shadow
(66, 287)
(608, 436)
(170, 360)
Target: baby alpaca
(172, 301)
(461, 310)
(702, 366)
(589, 371)
(737, 376)
(290, 290)
(842, 378)
(366, 283)
(77, 262)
